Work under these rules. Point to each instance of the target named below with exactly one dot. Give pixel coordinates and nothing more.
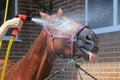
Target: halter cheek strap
(72, 38)
(52, 37)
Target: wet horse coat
(37, 63)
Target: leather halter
(72, 37)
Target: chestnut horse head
(60, 36)
(69, 38)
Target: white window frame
(105, 29)
(6, 38)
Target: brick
(113, 74)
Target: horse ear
(44, 15)
(60, 12)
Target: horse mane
(42, 39)
(35, 56)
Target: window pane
(100, 13)
(11, 12)
(119, 12)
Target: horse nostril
(88, 37)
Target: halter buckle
(73, 38)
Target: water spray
(39, 21)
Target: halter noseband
(72, 38)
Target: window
(103, 15)
(118, 12)
(12, 11)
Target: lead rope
(77, 66)
(71, 63)
(79, 73)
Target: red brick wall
(106, 69)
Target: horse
(59, 36)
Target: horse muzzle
(88, 46)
